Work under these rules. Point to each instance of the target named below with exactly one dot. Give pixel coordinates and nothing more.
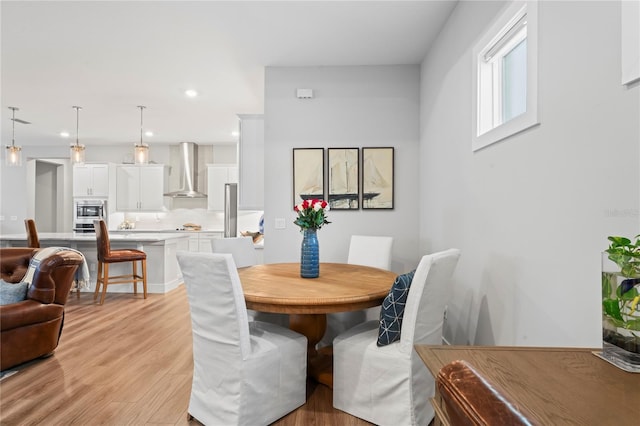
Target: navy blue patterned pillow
(392, 309)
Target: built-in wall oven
(86, 211)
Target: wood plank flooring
(127, 362)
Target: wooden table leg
(319, 364)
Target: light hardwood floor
(128, 361)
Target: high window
(505, 65)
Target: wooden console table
(555, 386)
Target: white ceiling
(110, 56)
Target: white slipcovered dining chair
(244, 373)
(241, 248)
(390, 385)
(374, 251)
(370, 251)
(244, 254)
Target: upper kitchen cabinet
(251, 162)
(91, 180)
(140, 188)
(217, 176)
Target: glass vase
(309, 254)
(620, 317)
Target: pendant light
(141, 150)
(77, 150)
(13, 153)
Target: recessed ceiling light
(191, 93)
(64, 134)
(148, 133)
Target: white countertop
(78, 236)
(163, 231)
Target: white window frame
(488, 76)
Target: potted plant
(620, 302)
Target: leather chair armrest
(53, 278)
(471, 400)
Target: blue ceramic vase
(309, 254)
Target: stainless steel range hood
(188, 170)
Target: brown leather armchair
(31, 328)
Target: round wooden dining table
(279, 288)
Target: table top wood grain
(568, 386)
(278, 287)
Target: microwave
(86, 211)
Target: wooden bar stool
(34, 242)
(32, 233)
(107, 256)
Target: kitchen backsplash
(173, 219)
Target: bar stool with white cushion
(389, 384)
(244, 373)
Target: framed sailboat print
(344, 182)
(377, 178)
(308, 174)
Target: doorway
(49, 201)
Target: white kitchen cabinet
(217, 176)
(194, 243)
(201, 241)
(140, 188)
(251, 162)
(205, 238)
(91, 180)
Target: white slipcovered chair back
(244, 373)
(366, 250)
(430, 292)
(218, 309)
(370, 251)
(241, 248)
(390, 385)
(244, 254)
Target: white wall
(531, 214)
(352, 107)
(16, 183)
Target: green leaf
(612, 308)
(619, 241)
(607, 279)
(629, 295)
(633, 324)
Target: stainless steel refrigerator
(230, 210)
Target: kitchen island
(163, 273)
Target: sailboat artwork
(308, 174)
(343, 178)
(377, 178)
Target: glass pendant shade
(141, 153)
(141, 150)
(13, 153)
(77, 149)
(77, 153)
